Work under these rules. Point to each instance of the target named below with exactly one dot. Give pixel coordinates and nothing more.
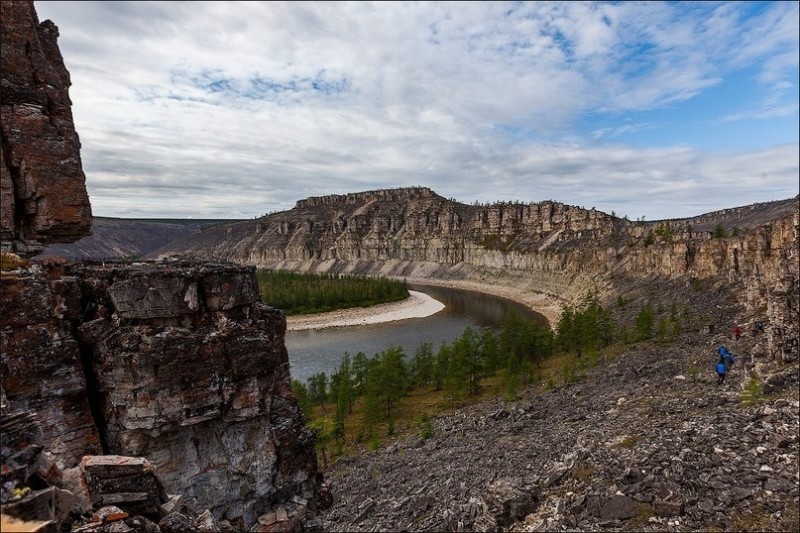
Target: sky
(233, 110)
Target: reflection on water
(312, 351)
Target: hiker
(737, 332)
(758, 328)
(722, 351)
(728, 359)
(721, 371)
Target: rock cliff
(43, 196)
(176, 363)
(544, 247)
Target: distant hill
(117, 238)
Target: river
(313, 351)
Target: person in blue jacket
(722, 370)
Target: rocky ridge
(120, 238)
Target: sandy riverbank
(548, 306)
(419, 305)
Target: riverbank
(420, 305)
(544, 304)
(417, 305)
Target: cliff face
(177, 362)
(547, 247)
(42, 192)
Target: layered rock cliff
(546, 247)
(43, 195)
(177, 363)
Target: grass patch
(641, 518)
(757, 519)
(629, 442)
(582, 471)
(753, 392)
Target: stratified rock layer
(43, 195)
(175, 362)
(548, 247)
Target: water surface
(312, 351)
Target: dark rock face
(41, 365)
(42, 192)
(175, 362)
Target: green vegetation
(664, 230)
(299, 294)
(370, 398)
(719, 231)
(753, 392)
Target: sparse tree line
(296, 293)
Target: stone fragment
(127, 482)
(619, 508)
(665, 508)
(176, 523)
(206, 523)
(509, 502)
(109, 513)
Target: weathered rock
(195, 381)
(43, 195)
(509, 501)
(129, 483)
(667, 508)
(205, 522)
(109, 513)
(41, 367)
(176, 523)
(618, 508)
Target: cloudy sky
(233, 110)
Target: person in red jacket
(737, 332)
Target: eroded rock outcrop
(43, 195)
(175, 362)
(176, 366)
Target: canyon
(136, 392)
(545, 248)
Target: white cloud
(234, 109)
